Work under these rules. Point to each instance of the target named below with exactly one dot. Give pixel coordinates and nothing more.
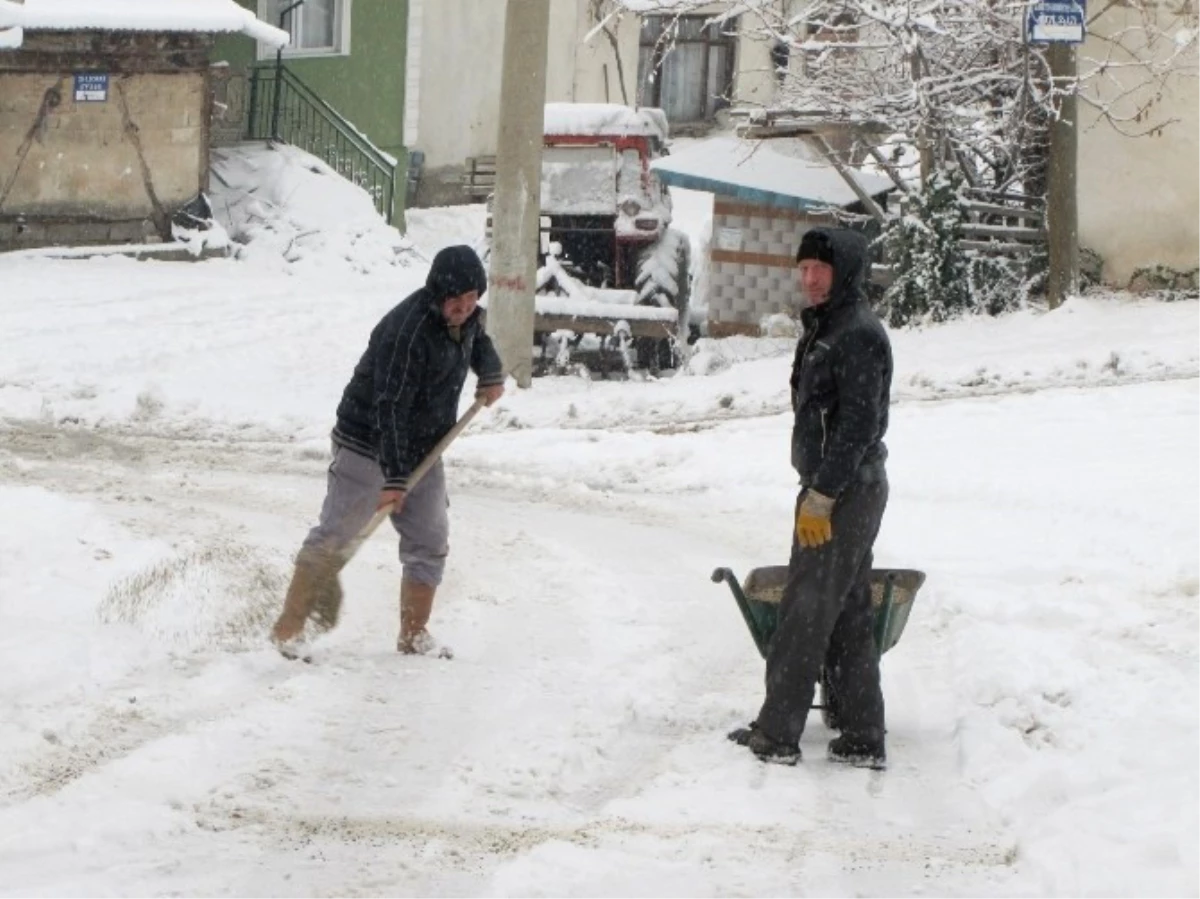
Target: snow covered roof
(604, 118)
(760, 173)
(217, 16)
(645, 7)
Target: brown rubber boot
(328, 605)
(314, 586)
(416, 605)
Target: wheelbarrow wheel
(829, 704)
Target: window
(317, 27)
(685, 66)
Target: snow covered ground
(163, 443)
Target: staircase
(284, 108)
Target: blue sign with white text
(1058, 21)
(91, 87)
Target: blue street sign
(91, 87)
(1058, 21)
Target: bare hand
(393, 498)
(489, 395)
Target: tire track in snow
(118, 729)
(487, 841)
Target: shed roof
(759, 173)
(216, 16)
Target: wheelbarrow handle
(761, 640)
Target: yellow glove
(813, 527)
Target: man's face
(458, 309)
(816, 280)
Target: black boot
(764, 747)
(741, 735)
(859, 753)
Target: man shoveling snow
(401, 401)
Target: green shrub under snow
(935, 277)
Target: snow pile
(214, 16)
(279, 202)
(431, 229)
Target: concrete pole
(517, 204)
(1062, 211)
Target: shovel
(419, 472)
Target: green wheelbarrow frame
(892, 593)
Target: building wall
(462, 47)
(754, 81)
(462, 42)
(1139, 197)
(596, 79)
(577, 71)
(366, 85)
(751, 264)
(104, 171)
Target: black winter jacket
(403, 396)
(841, 378)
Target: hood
(849, 265)
(455, 270)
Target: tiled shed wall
(756, 279)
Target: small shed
(765, 198)
(105, 110)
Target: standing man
(401, 400)
(841, 378)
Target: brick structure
(751, 263)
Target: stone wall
(106, 170)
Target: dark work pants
(825, 618)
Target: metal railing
(284, 108)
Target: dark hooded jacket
(403, 396)
(841, 378)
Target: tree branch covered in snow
(957, 80)
(951, 77)
(1151, 43)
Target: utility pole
(1062, 210)
(517, 205)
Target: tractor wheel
(664, 279)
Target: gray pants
(351, 498)
(826, 619)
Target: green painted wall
(366, 86)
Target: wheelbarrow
(893, 591)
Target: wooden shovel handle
(417, 474)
